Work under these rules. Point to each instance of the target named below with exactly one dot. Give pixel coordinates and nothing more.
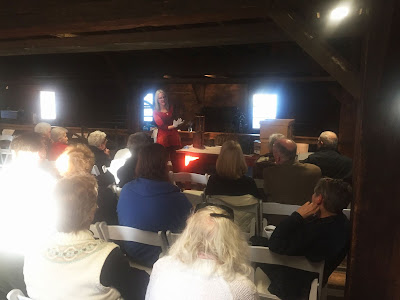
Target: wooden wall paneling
(374, 260)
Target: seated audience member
(44, 129)
(26, 209)
(289, 182)
(79, 159)
(231, 180)
(328, 159)
(60, 141)
(135, 141)
(98, 144)
(231, 168)
(72, 263)
(208, 261)
(151, 203)
(268, 159)
(319, 231)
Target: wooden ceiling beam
(166, 39)
(329, 59)
(26, 19)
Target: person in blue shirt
(151, 203)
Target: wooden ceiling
(53, 27)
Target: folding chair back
(245, 209)
(188, 179)
(95, 228)
(172, 237)
(264, 255)
(16, 295)
(276, 209)
(129, 234)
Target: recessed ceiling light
(339, 13)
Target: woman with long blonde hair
(208, 261)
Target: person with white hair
(329, 160)
(97, 141)
(60, 142)
(43, 128)
(208, 261)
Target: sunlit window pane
(149, 98)
(264, 107)
(148, 112)
(48, 105)
(148, 119)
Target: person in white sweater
(208, 261)
(72, 264)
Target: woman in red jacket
(167, 134)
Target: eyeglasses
(229, 211)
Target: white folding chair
(172, 237)
(272, 208)
(16, 295)
(264, 255)
(95, 228)
(5, 151)
(347, 213)
(129, 234)
(195, 197)
(245, 209)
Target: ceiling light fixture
(339, 13)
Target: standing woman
(167, 135)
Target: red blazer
(56, 149)
(166, 137)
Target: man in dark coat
(330, 161)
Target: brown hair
(152, 162)
(230, 162)
(336, 194)
(80, 159)
(76, 198)
(29, 142)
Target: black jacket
(331, 163)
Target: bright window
(148, 108)
(264, 107)
(48, 105)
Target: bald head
(284, 150)
(328, 140)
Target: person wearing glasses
(208, 261)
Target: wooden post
(374, 260)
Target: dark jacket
(331, 163)
(317, 239)
(151, 205)
(218, 185)
(102, 159)
(127, 172)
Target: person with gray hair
(330, 161)
(288, 181)
(43, 128)
(97, 141)
(60, 142)
(273, 138)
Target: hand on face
(308, 209)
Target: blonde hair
(215, 237)
(156, 104)
(97, 138)
(231, 163)
(80, 159)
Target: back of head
(138, 140)
(76, 159)
(57, 133)
(336, 194)
(231, 163)
(152, 162)
(97, 138)
(28, 142)
(210, 233)
(328, 140)
(43, 128)
(284, 151)
(273, 138)
(75, 199)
